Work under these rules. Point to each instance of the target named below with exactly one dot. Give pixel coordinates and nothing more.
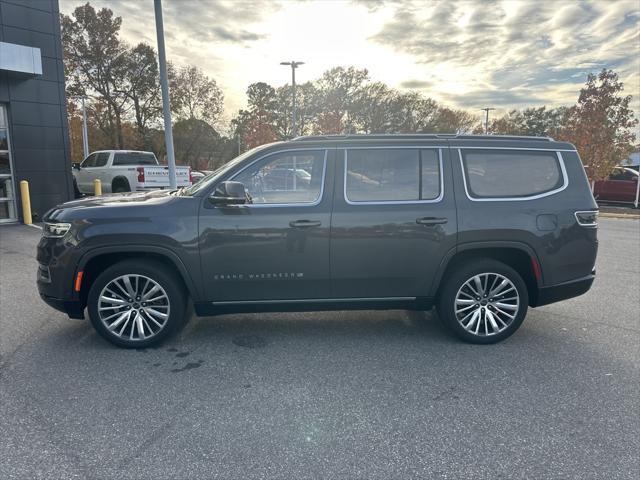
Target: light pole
(85, 134)
(164, 85)
(293, 65)
(486, 123)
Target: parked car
(482, 227)
(124, 171)
(621, 186)
(197, 175)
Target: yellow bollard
(97, 187)
(26, 202)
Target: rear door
(394, 219)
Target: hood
(106, 205)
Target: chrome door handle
(431, 221)
(305, 223)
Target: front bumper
(57, 262)
(565, 290)
(73, 308)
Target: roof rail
(417, 136)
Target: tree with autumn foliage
(601, 124)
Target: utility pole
(164, 85)
(486, 122)
(85, 134)
(293, 65)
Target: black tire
(76, 191)
(171, 287)
(120, 185)
(455, 283)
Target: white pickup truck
(125, 171)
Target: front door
(277, 247)
(86, 174)
(394, 220)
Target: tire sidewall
(446, 302)
(157, 272)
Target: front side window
(90, 161)
(392, 175)
(511, 173)
(285, 178)
(102, 159)
(134, 158)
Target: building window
(7, 193)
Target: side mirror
(229, 193)
(76, 165)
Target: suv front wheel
(484, 301)
(136, 304)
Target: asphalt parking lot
(325, 395)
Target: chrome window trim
(395, 202)
(565, 179)
(587, 225)
(468, 147)
(297, 204)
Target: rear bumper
(563, 291)
(73, 308)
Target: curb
(628, 216)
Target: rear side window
(392, 175)
(134, 158)
(511, 173)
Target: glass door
(7, 192)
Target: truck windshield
(134, 158)
(213, 177)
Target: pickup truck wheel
(136, 304)
(120, 185)
(483, 302)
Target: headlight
(55, 230)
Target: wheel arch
(519, 256)
(96, 261)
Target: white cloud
(468, 53)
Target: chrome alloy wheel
(133, 307)
(486, 304)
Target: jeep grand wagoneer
(482, 227)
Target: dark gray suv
(482, 227)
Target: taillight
(190, 176)
(141, 174)
(587, 219)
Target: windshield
(213, 177)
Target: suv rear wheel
(136, 304)
(484, 301)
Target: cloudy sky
(467, 54)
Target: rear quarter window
(511, 173)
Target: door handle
(305, 223)
(431, 221)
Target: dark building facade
(34, 136)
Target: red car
(621, 186)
